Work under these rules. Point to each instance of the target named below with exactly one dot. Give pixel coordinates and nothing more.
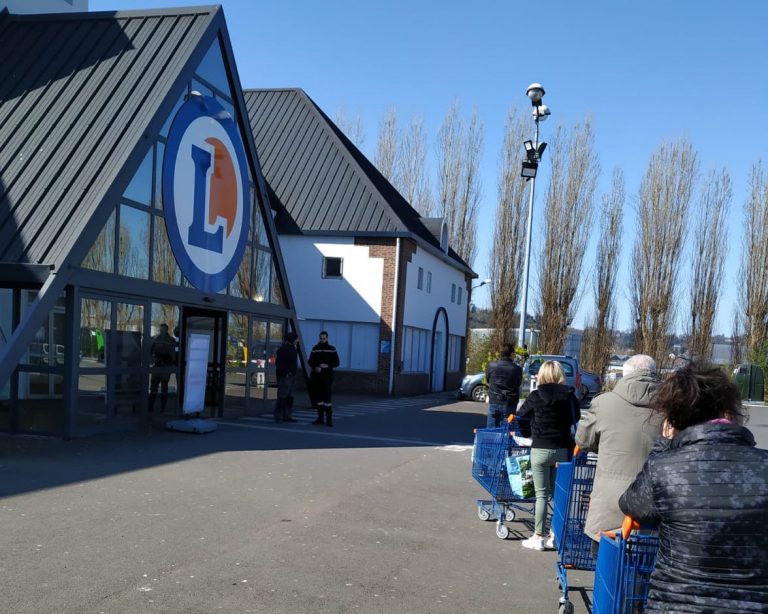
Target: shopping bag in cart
(520, 476)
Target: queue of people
(675, 456)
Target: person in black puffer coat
(706, 488)
(552, 409)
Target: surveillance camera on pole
(533, 152)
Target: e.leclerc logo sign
(206, 193)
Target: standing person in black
(163, 351)
(323, 360)
(504, 377)
(285, 366)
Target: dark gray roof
(77, 94)
(318, 181)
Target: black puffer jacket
(708, 493)
(551, 409)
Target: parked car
(474, 387)
(591, 384)
(570, 368)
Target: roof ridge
(94, 15)
(339, 137)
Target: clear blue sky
(646, 72)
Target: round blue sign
(206, 193)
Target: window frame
(326, 260)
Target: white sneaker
(534, 542)
(551, 542)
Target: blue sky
(645, 71)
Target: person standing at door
(323, 359)
(285, 366)
(504, 377)
(163, 355)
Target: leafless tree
(664, 200)
(708, 255)
(736, 339)
(459, 148)
(567, 224)
(507, 253)
(598, 338)
(411, 178)
(754, 264)
(387, 146)
(352, 127)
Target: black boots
(324, 416)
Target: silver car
(570, 368)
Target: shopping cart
(573, 487)
(624, 566)
(492, 447)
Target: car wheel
(584, 391)
(480, 393)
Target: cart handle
(629, 525)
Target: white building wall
(354, 298)
(421, 306)
(27, 7)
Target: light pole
(481, 284)
(533, 153)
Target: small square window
(420, 280)
(429, 282)
(458, 299)
(332, 268)
(453, 293)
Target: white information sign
(195, 376)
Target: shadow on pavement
(30, 464)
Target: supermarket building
(130, 197)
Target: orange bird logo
(223, 194)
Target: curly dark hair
(698, 393)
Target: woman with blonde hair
(552, 409)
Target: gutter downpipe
(394, 320)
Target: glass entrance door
(201, 327)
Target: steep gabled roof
(77, 95)
(319, 182)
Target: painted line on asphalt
(321, 432)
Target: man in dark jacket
(504, 377)
(323, 360)
(163, 356)
(285, 366)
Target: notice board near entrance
(196, 372)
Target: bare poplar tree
(754, 265)
(598, 338)
(352, 127)
(459, 150)
(411, 176)
(736, 339)
(567, 224)
(387, 146)
(665, 195)
(709, 250)
(507, 253)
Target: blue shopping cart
(489, 468)
(573, 487)
(624, 566)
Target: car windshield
(533, 368)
